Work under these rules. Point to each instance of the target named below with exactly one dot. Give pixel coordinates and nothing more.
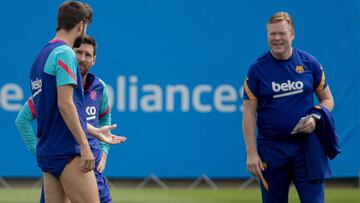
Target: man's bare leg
(53, 190)
(79, 187)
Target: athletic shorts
(104, 190)
(54, 164)
(286, 163)
(103, 187)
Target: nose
(81, 57)
(277, 36)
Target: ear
(79, 26)
(93, 63)
(293, 34)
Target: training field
(183, 196)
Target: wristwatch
(315, 116)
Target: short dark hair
(70, 13)
(89, 40)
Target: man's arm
(253, 161)
(23, 123)
(325, 98)
(104, 134)
(104, 119)
(69, 113)
(104, 115)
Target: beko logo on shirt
(36, 86)
(289, 87)
(91, 112)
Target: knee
(313, 192)
(313, 199)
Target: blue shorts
(42, 196)
(104, 190)
(103, 187)
(54, 164)
(286, 162)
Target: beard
(84, 67)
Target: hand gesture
(104, 134)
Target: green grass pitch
(184, 196)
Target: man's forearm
(325, 98)
(249, 131)
(92, 130)
(71, 118)
(103, 121)
(328, 104)
(23, 123)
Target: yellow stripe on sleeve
(248, 91)
(322, 83)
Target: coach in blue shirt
(278, 92)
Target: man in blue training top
(278, 92)
(63, 151)
(97, 110)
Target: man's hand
(87, 159)
(308, 126)
(254, 164)
(102, 164)
(106, 136)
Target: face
(79, 39)
(85, 57)
(280, 37)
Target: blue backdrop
(176, 70)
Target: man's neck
(66, 37)
(84, 78)
(283, 57)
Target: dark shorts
(286, 162)
(104, 190)
(103, 187)
(54, 164)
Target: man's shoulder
(304, 56)
(98, 81)
(61, 55)
(64, 50)
(261, 60)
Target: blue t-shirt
(283, 90)
(55, 66)
(97, 108)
